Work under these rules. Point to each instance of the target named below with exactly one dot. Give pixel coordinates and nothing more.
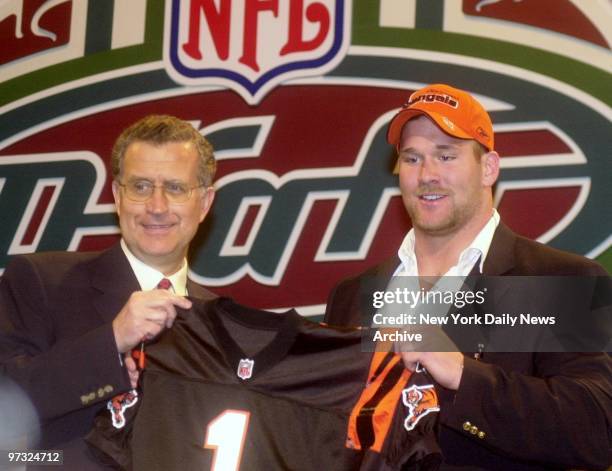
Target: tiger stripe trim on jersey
(380, 360)
(372, 415)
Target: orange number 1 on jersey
(225, 435)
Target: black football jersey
(232, 388)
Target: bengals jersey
(233, 388)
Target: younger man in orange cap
(498, 410)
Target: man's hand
(132, 369)
(145, 315)
(445, 367)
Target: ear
(116, 195)
(490, 168)
(206, 200)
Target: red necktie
(139, 355)
(164, 283)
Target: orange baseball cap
(455, 111)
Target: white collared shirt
(149, 277)
(478, 248)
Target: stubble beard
(456, 218)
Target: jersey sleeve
(413, 441)
(394, 421)
(110, 437)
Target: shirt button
(473, 430)
(481, 435)
(467, 426)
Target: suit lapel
(500, 261)
(113, 281)
(501, 258)
(377, 279)
(382, 273)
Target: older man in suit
(69, 320)
(537, 410)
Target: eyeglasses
(141, 191)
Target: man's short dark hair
(164, 129)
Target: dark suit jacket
(537, 410)
(57, 342)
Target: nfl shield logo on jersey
(253, 46)
(245, 368)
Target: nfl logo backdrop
(296, 95)
(253, 46)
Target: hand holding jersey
(145, 315)
(445, 367)
(132, 369)
(131, 328)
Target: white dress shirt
(149, 277)
(478, 248)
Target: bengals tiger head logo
(420, 400)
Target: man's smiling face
(157, 231)
(443, 182)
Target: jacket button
(467, 426)
(473, 430)
(481, 435)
